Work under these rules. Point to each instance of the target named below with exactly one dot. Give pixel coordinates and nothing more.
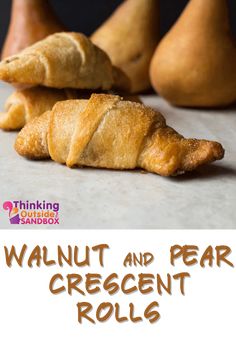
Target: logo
(32, 213)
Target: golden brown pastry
(63, 60)
(31, 21)
(130, 37)
(23, 105)
(194, 64)
(107, 132)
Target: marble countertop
(103, 199)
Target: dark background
(86, 15)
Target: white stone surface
(91, 198)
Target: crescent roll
(107, 132)
(24, 105)
(63, 60)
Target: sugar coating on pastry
(108, 132)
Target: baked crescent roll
(107, 132)
(63, 60)
(23, 105)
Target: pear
(31, 21)
(130, 37)
(195, 63)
